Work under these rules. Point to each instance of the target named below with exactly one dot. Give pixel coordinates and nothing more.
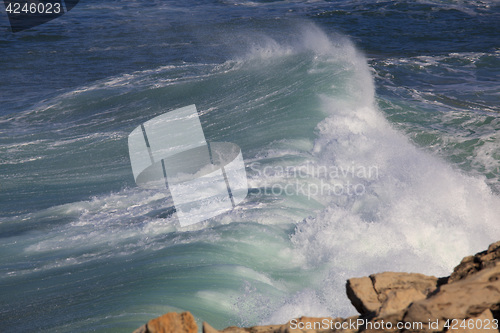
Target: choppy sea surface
(393, 105)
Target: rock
(381, 324)
(345, 325)
(142, 329)
(398, 290)
(206, 328)
(466, 298)
(475, 324)
(265, 329)
(172, 323)
(388, 281)
(235, 329)
(385, 293)
(472, 264)
(308, 325)
(398, 300)
(363, 296)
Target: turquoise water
(370, 134)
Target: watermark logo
(170, 152)
(311, 180)
(25, 14)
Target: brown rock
(472, 264)
(173, 322)
(384, 283)
(142, 329)
(347, 324)
(398, 300)
(466, 298)
(235, 329)
(381, 324)
(206, 328)
(254, 329)
(265, 329)
(398, 290)
(363, 296)
(385, 293)
(475, 325)
(309, 324)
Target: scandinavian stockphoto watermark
(206, 179)
(313, 180)
(170, 152)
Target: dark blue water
(407, 90)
